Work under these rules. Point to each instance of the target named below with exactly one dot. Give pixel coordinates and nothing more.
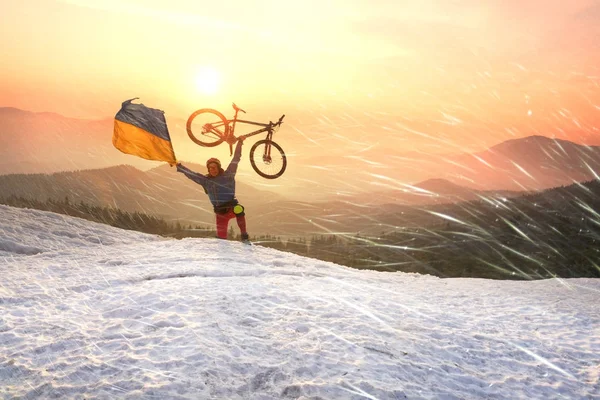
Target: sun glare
(207, 80)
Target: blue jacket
(221, 188)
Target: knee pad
(238, 210)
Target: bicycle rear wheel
(211, 127)
(268, 159)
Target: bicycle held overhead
(266, 157)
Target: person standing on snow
(219, 185)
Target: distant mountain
(446, 191)
(530, 163)
(440, 186)
(430, 191)
(526, 164)
(161, 191)
(575, 203)
(164, 192)
(553, 233)
(48, 142)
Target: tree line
(137, 221)
(532, 237)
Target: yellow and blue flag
(142, 131)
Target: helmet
(213, 161)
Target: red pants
(223, 221)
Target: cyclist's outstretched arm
(196, 177)
(232, 168)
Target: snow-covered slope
(90, 311)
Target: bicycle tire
(269, 169)
(211, 137)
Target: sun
(208, 80)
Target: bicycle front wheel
(268, 159)
(207, 127)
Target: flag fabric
(142, 131)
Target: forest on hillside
(554, 233)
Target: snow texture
(91, 311)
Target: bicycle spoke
(207, 127)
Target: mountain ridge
(161, 191)
(33, 145)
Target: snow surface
(91, 311)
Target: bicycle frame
(265, 128)
(221, 129)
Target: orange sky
(439, 74)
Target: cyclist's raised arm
(196, 177)
(237, 155)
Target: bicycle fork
(267, 153)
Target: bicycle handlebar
(278, 122)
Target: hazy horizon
(314, 172)
(366, 87)
(414, 75)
